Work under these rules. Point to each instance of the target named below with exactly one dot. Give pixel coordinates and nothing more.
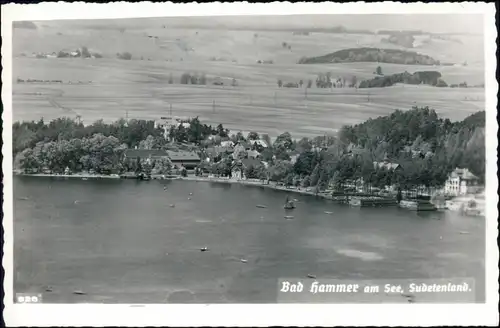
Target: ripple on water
(365, 256)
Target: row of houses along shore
(460, 182)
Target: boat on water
(289, 204)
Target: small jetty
(372, 202)
(417, 205)
(261, 206)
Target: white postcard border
(242, 314)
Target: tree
(253, 136)
(234, 83)
(354, 81)
(170, 79)
(309, 84)
(265, 137)
(284, 141)
(202, 80)
(185, 78)
(85, 52)
(306, 182)
(301, 83)
(150, 143)
(315, 175)
(280, 83)
(124, 56)
(194, 79)
(378, 71)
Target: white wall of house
(453, 186)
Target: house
(237, 150)
(253, 154)
(461, 182)
(239, 166)
(227, 143)
(258, 142)
(147, 154)
(386, 164)
(187, 159)
(167, 122)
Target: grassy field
(141, 86)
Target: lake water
(119, 241)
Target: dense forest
(392, 56)
(426, 77)
(426, 147)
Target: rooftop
(464, 174)
(386, 165)
(145, 153)
(183, 155)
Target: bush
(124, 55)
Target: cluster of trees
(98, 153)
(426, 77)
(124, 55)
(193, 132)
(449, 144)
(372, 55)
(187, 78)
(294, 84)
(79, 53)
(286, 45)
(325, 80)
(131, 132)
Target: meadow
(139, 88)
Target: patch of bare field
(141, 88)
(256, 104)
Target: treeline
(28, 134)
(426, 77)
(392, 56)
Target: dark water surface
(119, 241)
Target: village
(244, 162)
(415, 174)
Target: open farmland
(140, 88)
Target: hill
(393, 56)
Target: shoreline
(254, 183)
(76, 175)
(259, 183)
